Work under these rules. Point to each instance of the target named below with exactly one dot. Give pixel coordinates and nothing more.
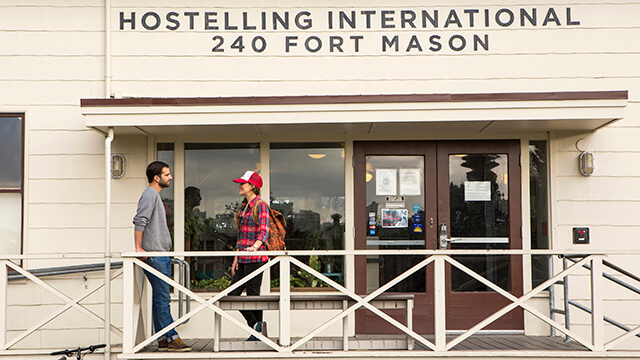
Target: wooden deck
(477, 343)
(516, 342)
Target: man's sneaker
(178, 345)
(163, 345)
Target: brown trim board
(358, 99)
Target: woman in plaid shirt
(251, 237)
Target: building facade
(376, 126)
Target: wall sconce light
(586, 161)
(117, 166)
(317, 156)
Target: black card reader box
(581, 235)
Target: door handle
(444, 236)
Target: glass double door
(439, 195)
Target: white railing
(11, 263)
(439, 258)
(134, 342)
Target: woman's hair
(256, 190)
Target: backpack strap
(254, 211)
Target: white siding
(53, 56)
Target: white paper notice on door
(386, 182)
(477, 191)
(410, 182)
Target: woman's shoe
(257, 327)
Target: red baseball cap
(250, 177)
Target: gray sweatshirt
(151, 219)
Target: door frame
(432, 151)
(459, 314)
(423, 304)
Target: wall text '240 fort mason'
(339, 31)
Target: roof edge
(358, 99)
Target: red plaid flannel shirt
(249, 232)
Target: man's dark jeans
(161, 303)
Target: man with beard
(152, 234)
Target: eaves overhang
(470, 113)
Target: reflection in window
(11, 184)
(479, 209)
(307, 186)
(539, 209)
(166, 155)
(211, 203)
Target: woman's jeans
(161, 303)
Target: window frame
(546, 143)
(303, 145)
(20, 190)
(188, 145)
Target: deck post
(439, 315)
(565, 298)
(597, 313)
(3, 304)
(285, 304)
(410, 341)
(345, 326)
(217, 329)
(127, 311)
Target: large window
(306, 183)
(479, 213)
(11, 183)
(396, 224)
(538, 191)
(307, 186)
(211, 203)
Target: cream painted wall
(53, 56)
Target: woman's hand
(254, 247)
(234, 266)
